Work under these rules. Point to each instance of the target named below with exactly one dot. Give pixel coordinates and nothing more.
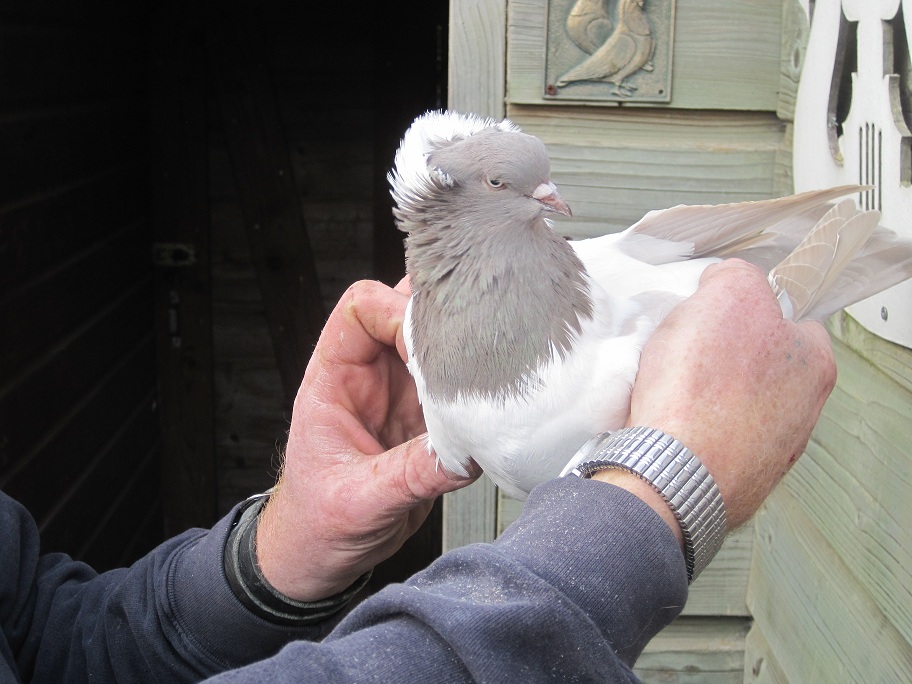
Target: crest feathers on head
(412, 180)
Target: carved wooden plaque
(609, 50)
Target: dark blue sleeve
(572, 591)
(170, 617)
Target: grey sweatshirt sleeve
(572, 591)
(171, 617)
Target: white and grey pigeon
(524, 345)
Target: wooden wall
(725, 136)
(79, 440)
(818, 587)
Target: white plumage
(524, 346)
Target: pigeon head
(460, 169)
(496, 168)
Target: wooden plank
(36, 235)
(783, 169)
(477, 59)
(89, 498)
(272, 213)
(726, 54)
(128, 517)
(251, 416)
(694, 651)
(477, 64)
(822, 625)
(183, 316)
(50, 63)
(760, 663)
(613, 166)
(721, 589)
(79, 428)
(34, 401)
(88, 282)
(854, 484)
(891, 359)
(48, 148)
(795, 32)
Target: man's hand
(358, 479)
(737, 384)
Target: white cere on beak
(547, 195)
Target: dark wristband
(251, 587)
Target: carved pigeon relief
(611, 50)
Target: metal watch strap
(677, 474)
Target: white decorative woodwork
(852, 121)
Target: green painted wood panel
(761, 665)
(695, 651)
(817, 617)
(855, 483)
(726, 54)
(614, 165)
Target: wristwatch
(677, 474)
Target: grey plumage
(524, 345)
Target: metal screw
(884, 314)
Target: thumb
(419, 475)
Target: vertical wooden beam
(477, 82)
(272, 212)
(180, 184)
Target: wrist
(674, 473)
(636, 486)
(253, 589)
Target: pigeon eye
(495, 183)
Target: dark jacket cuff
(251, 587)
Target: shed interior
(186, 188)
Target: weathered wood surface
(726, 54)
(79, 444)
(761, 665)
(614, 165)
(795, 32)
(832, 552)
(477, 76)
(183, 313)
(819, 620)
(855, 483)
(695, 650)
(477, 58)
(278, 240)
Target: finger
(412, 475)
(367, 318)
(730, 268)
(404, 286)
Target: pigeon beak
(547, 195)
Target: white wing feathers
(820, 258)
(723, 230)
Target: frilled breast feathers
(495, 292)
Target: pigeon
(523, 345)
(588, 24)
(627, 50)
